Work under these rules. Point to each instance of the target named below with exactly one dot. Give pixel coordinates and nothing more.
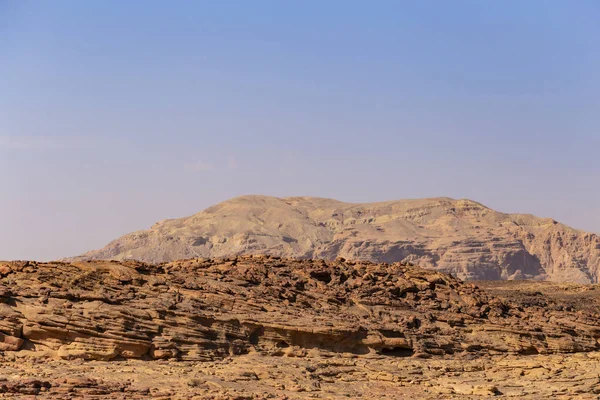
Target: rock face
(460, 237)
(199, 310)
(258, 327)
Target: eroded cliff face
(460, 237)
(201, 310)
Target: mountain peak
(457, 236)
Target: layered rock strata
(204, 309)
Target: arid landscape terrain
(254, 327)
(294, 200)
(460, 237)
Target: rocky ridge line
(205, 309)
(460, 237)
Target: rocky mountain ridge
(460, 237)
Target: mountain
(460, 237)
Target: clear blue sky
(115, 114)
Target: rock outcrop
(200, 310)
(263, 327)
(460, 237)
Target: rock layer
(460, 237)
(253, 376)
(203, 309)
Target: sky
(114, 115)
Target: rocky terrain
(265, 327)
(254, 376)
(460, 237)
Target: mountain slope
(461, 237)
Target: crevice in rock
(397, 352)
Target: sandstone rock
(253, 327)
(204, 309)
(255, 376)
(10, 343)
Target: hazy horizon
(116, 115)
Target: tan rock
(10, 343)
(461, 237)
(207, 309)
